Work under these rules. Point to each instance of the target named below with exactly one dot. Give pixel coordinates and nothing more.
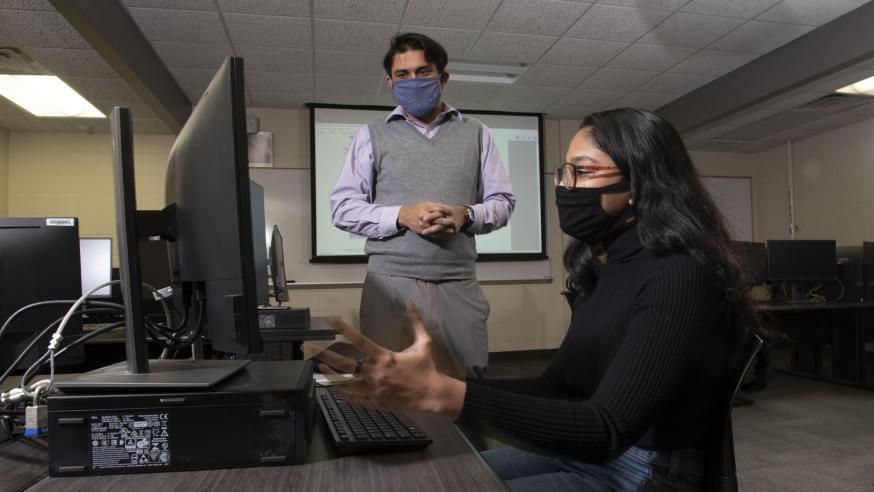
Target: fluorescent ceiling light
(863, 87)
(492, 73)
(46, 96)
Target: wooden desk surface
(449, 464)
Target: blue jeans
(636, 469)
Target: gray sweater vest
(409, 168)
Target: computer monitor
(208, 222)
(277, 267)
(39, 261)
(95, 254)
(799, 263)
(755, 260)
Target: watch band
(470, 215)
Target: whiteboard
(734, 198)
(287, 204)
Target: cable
(42, 334)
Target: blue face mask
(418, 96)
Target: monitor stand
(163, 374)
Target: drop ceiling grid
(652, 51)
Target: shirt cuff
(388, 221)
(479, 211)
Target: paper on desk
(332, 379)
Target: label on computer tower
(130, 441)
(60, 221)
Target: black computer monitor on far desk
(800, 264)
(209, 225)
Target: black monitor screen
(755, 260)
(801, 260)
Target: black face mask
(580, 214)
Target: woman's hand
(406, 380)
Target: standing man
(419, 184)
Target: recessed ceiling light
(864, 87)
(491, 73)
(46, 96)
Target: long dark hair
(673, 212)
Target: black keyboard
(356, 429)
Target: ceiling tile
(652, 57)
(456, 42)
(459, 93)
(279, 81)
(138, 109)
(492, 46)
(292, 8)
(9, 109)
(792, 100)
(330, 98)
(62, 62)
(617, 80)
(40, 29)
(866, 110)
(810, 12)
(29, 5)
(193, 81)
(180, 25)
(517, 107)
(590, 98)
(713, 62)
(205, 5)
(745, 9)
(526, 94)
(759, 37)
(385, 11)
(107, 89)
(583, 52)
(755, 147)
(337, 84)
(644, 100)
(837, 121)
(190, 55)
(675, 83)
(458, 14)
(353, 36)
(264, 30)
(770, 125)
(349, 63)
(614, 23)
(793, 134)
(292, 100)
(554, 75)
(844, 78)
(654, 4)
(569, 112)
(548, 17)
(269, 59)
(697, 31)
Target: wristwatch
(468, 216)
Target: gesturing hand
(407, 380)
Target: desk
(449, 464)
(840, 325)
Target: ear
(444, 79)
(388, 82)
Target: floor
(800, 434)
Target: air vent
(13, 61)
(718, 145)
(835, 103)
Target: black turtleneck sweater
(643, 363)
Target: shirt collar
(398, 113)
(624, 244)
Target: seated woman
(659, 316)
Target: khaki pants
(455, 312)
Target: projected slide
(518, 141)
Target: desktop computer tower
(262, 415)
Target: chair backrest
(720, 474)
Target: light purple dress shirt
(352, 209)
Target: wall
(4, 173)
(71, 174)
(833, 175)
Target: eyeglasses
(567, 174)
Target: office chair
(719, 468)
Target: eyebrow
(404, 70)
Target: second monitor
(798, 263)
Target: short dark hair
(434, 53)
